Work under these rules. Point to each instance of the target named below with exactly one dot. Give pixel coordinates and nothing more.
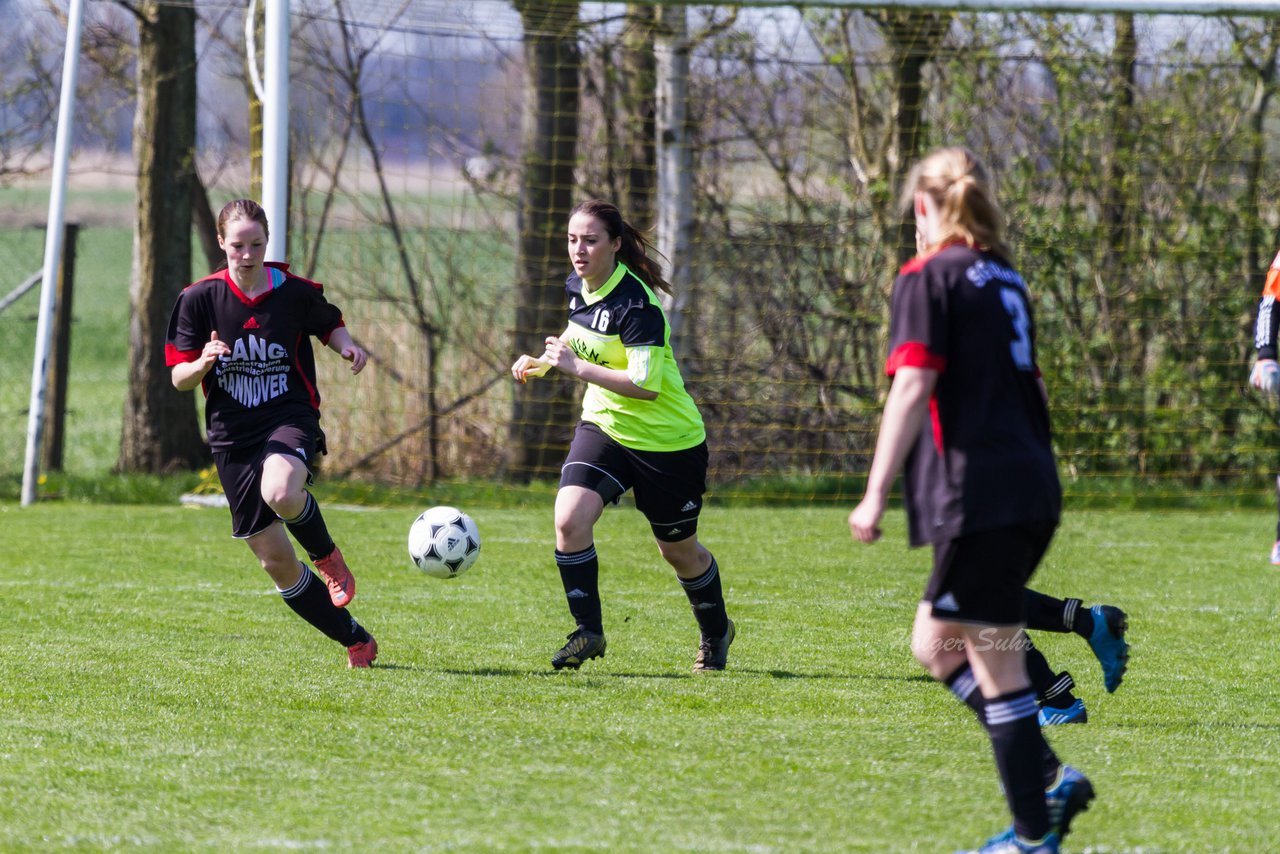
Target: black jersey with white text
(269, 378)
(984, 459)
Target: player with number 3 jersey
(967, 419)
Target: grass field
(159, 696)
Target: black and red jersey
(984, 460)
(269, 378)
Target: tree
(543, 409)
(1259, 51)
(914, 38)
(161, 432)
(637, 103)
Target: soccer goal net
(436, 148)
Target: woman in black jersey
(244, 335)
(640, 430)
(966, 417)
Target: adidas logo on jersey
(251, 323)
(692, 505)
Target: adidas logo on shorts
(692, 505)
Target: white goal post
(52, 251)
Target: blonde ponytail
(959, 184)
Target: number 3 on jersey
(1020, 347)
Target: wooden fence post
(55, 414)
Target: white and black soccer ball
(444, 542)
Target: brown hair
(959, 184)
(242, 209)
(634, 251)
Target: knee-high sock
(580, 575)
(963, 684)
(706, 598)
(309, 529)
(1021, 753)
(1052, 689)
(310, 600)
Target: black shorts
(982, 577)
(240, 471)
(668, 485)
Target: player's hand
(356, 355)
(211, 352)
(560, 356)
(864, 521)
(1265, 376)
(527, 367)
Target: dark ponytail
(635, 249)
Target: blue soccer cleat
(1010, 843)
(1072, 714)
(1109, 645)
(1069, 796)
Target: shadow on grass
(775, 674)
(787, 674)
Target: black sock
(963, 684)
(707, 600)
(309, 529)
(1081, 620)
(1052, 689)
(1046, 614)
(310, 600)
(580, 575)
(1021, 755)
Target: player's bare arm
(904, 413)
(561, 357)
(188, 375)
(341, 342)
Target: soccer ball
(444, 542)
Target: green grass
(98, 379)
(159, 696)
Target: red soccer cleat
(337, 577)
(362, 654)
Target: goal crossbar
(1137, 7)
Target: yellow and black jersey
(621, 326)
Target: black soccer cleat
(583, 645)
(713, 654)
